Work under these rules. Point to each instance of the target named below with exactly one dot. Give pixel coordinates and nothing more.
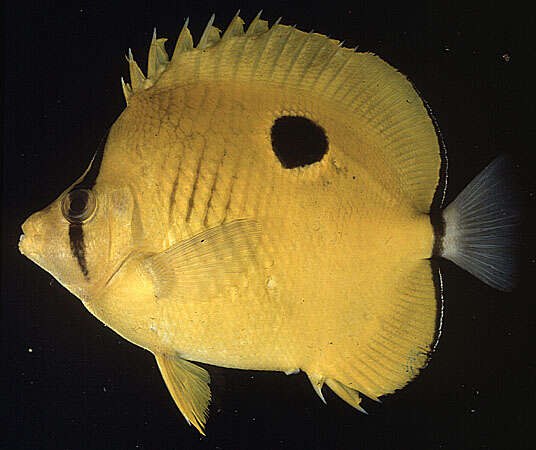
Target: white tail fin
(482, 227)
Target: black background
(83, 387)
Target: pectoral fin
(188, 385)
(198, 267)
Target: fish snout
(31, 226)
(30, 237)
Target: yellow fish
(271, 200)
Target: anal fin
(317, 382)
(188, 385)
(349, 395)
(393, 348)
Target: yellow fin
(380, 102)
(127, 90)
(188, 385)
(210, 36)
(137, 79)
(349, 395)
(158, 57)
(198, 267)
(396, 344)
(317, 382)
(185, 42)
(235, 28)
(257, 25)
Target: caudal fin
(482, 227)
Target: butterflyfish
(271, 200)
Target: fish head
(82, 237)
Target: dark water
(71, 383)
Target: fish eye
(78, 205)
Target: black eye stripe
(76, 232)
(78, 248)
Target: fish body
(195, 235)
(217, 182)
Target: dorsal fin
(235, 28)
(185, 43)
(211, 35)
(158, 57)
(257, 26)
(379, 98)
(137, 79)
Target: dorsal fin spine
(360, 83)
(158, 57)
(235, 28)
(137, 79)
(150, 60)
(184, 41)
(127, 90)
(253, 24)
(210, 36)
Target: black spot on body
(298, 141)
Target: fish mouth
(21, 238)
(26, 249)
(27, 242)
